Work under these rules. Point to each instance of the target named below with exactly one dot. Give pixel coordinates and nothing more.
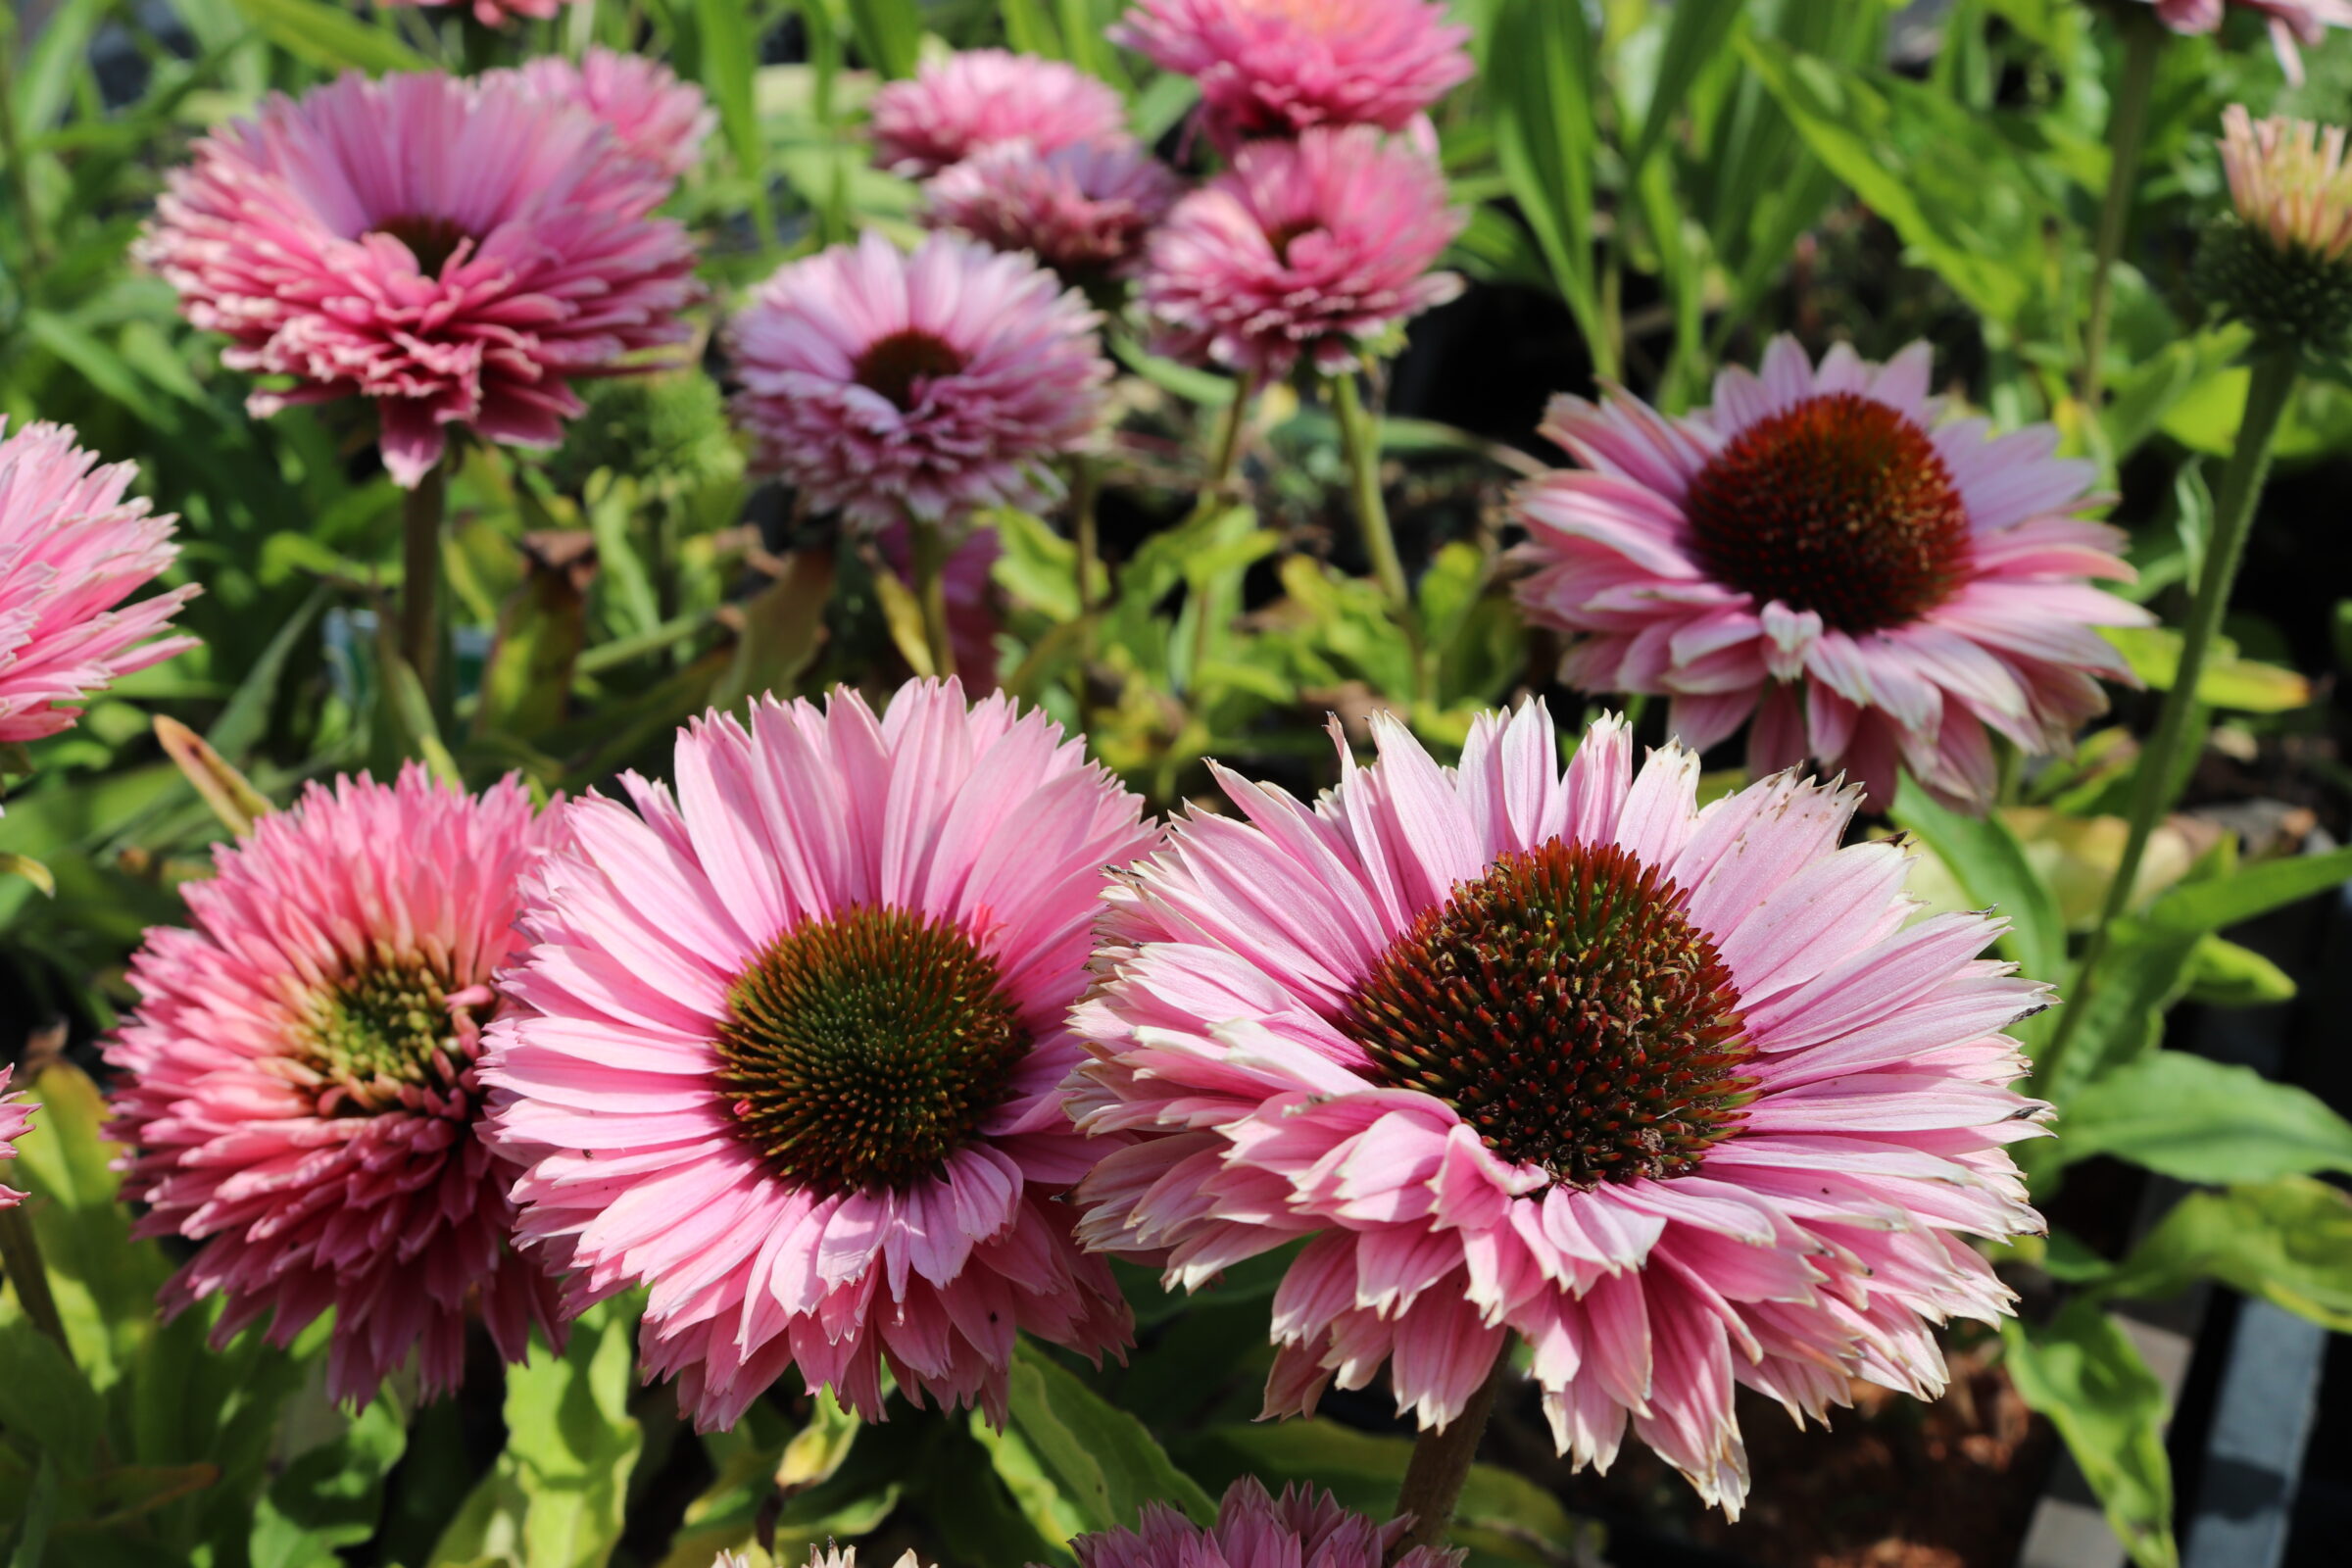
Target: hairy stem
(1359, 445)
(1441, 1463)
(2127, 143)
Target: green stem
(21, 1263)
(931, 592)
(1359, 444)
(1441, 1463)
(2127, 142)
(1228, 455)
(12, 151)
(2272, 385)
(421, 513)
(1085, 485)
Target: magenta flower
(1682, 1098)
(659, 119)
(504, 250)
(1083, 210)
(788, 1048)
(1304, 247)
(299, 1088)
(2293, 21)
(496, 12)
(882, 383)
(71, 551)
(952, 108)
(16, 1120)
(1305, 1526)
(1875, 586)
(1276, 67)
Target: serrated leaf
(2081, 1372)
(1101, 1459)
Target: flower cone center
(864, 1050)
(901, 365)
(432, 240)
(1569, 1011)
(1839, 504)
(392, 1021)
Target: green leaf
(1101, 1460)
(45, 1401)
(2084, 1374)
(889, 33)
(2145, 972)
(2287, 1240)
(244, 721)
(41, 1507)
(2197, 1120)
(1029, 31)
(2218, 903)
(329, 38)
(557, 1496)
(332, 1496)
(1696, 35)
(1539, 70)
(2226, 975)
(2241, 685)
(728, 58)
(1993, 869)
(783, 626)
(526, 682)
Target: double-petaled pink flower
(1083, 210)
(885, 384)
(1301, 248)
(1823, 554)
(71, 551)
(2293, 21)
(1276, 67)
(954, 108)
(1685, 1098)
(788, 1045)
(455, 252)
(299, 1086)
(658, 119)
(16, 1120)
(1303, 1527)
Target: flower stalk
(421, 513)
(20, 1263)
(931, 591)
(2127, 142)
(1360, 446)
(1441, 1464)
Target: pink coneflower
(952, 108)
(1678, 1095)
(16, 1120)
(496, 12)
(788, 1048)
(2293, 21)
(883, 383)
(1276, 67)
(1304, 247)
(2289, 183)
(71, 550)
(504, 250)
(299, 1085)
(1083, 210)
(1821, 551)
(1303, 1527)
(660, 120)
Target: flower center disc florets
(864, 1050)
(432, 240)
(1565, 1005)
(391, 1021)
(1839, 504)
(892, 365)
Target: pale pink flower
(2289, 181)
(1821, 551)
(71, 551)
(1303, 1527)
(16, 1120)
(496, 12)
(660, 120)
(1304, 247)
(788, 1046)
(2293, 21)
(453, 251)
(1275, 68)
(1684, 1097)
(952, 108)
(1083, 210)
(299, 1087)
(882, 383)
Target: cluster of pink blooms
(2293, 21)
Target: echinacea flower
(883, 384)
(299, 1090)
(1305, 1528)
(1276, 67)
(660, 120)
(2282, 263)
(2293, 21)
(952, 108)
(787, 1048)
(1684, 1098)
(1301, 248)
(453, 251)
(1821, 551)
(71, 551)
(496, 12)
(1083, 210)
(16, 1120)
